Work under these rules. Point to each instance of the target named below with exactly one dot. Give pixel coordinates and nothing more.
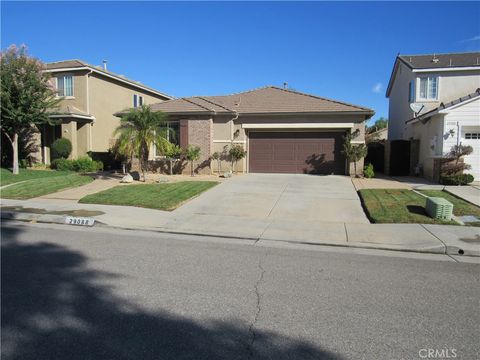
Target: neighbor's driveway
(303, 198)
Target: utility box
(439, 208)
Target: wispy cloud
(475, 38)
(377, 88)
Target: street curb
(60, 219)
(41, 218)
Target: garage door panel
(284, 151)
(302, 152)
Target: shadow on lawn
(55, 307)
(417, 209)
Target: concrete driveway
(302, 198)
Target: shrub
(236, 153)
(462, 179)
(61, 148)
(62, 165)
(368, 171)
(86, 164)
(83, 165)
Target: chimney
(285, 85)
(105, 65)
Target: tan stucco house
(90, 96)
(283, 131)
(434, 102)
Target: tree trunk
(15, 154)
(191, 167)
(171, 166)
(355, 168)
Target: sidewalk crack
(258, 308)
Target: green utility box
(439, 208)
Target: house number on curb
(72, 220)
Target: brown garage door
(296, 152)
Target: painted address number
(72, 220)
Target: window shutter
(183, 133)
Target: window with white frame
(65, 85)
(428, 88)
(137, 100)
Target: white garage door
(471, 136)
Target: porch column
(69, 131)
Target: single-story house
(283, 131)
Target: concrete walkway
(468, 193)
(441, 239)
(84, 190)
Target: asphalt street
(97, 293)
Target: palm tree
(139, 129)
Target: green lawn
(396, 206)
(154, 196)
(6, 176)
(43, 186)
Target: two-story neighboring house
(435, 99)
(90, 95)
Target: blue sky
(341, 50)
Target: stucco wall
(451, 85)
(106, 98)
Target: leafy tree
(379, 124)
(353, 152)
(192, 153)
(139, 129)
(236, 153)
(171, 151)
(27, 97)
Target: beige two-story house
(435, 99)
(90, 95)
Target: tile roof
(75, 63)
(447, 105)
(266, 100)
(433, 61)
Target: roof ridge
(61, 61)
(320, 97)
(194, 103)
(244, 92)
(214, 103)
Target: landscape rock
(127, 179)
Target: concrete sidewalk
(441, 239)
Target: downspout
(458, 133)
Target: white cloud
(377, 88)
(475, 38)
